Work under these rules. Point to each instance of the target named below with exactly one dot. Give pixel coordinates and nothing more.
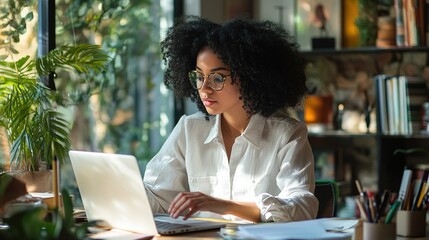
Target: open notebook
(112, 190)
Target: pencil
(359, 186)
(361, 209)
(422, 195)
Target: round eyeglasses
(215, 80)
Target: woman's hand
(188, 203)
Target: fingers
(186, 204)
(190, 212)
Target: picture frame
(309, 24)
(279, 11)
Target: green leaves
(83, 58)
(36, 130)
(13, 24)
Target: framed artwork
(318, 19)
(279, 11)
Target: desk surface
(214, 235)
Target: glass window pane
(130, 110)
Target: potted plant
(35, 130)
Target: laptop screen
(112, 190)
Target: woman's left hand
(188, 203)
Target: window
(132, 112)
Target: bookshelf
(374, 61)
(389, 166)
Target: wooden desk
(214, 235)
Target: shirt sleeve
(295, 180)
(165, 175)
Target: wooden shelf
(340, 134)
(364, 50)
(406, 137)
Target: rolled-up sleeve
(165, 174)
(295, 180)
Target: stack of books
(399, 103)
(412, 23)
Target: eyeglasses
(216, 80)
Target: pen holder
(377, 231)
(411, 223)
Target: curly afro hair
(261, 54)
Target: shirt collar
(252, 133)
(215, 134)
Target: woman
(235, 159)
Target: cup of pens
(377, 213)
(377, 231)
(411, 223)
(411, 217)
(380, 226)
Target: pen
(420, 189)
(384, 201)
(366, 203)
(392, 211)
(371, 203)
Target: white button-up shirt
(271, 163)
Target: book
(399, 100)
(380, 86)
(400, 37)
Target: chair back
(325, 192)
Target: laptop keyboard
(169, 226)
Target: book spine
(426, 21)
(399, 11)
(390, 99)
(382, 116)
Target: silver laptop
(112, 190)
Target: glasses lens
(196, 79)
(216, 80)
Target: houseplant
(36, 130)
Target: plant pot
(38, 181)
